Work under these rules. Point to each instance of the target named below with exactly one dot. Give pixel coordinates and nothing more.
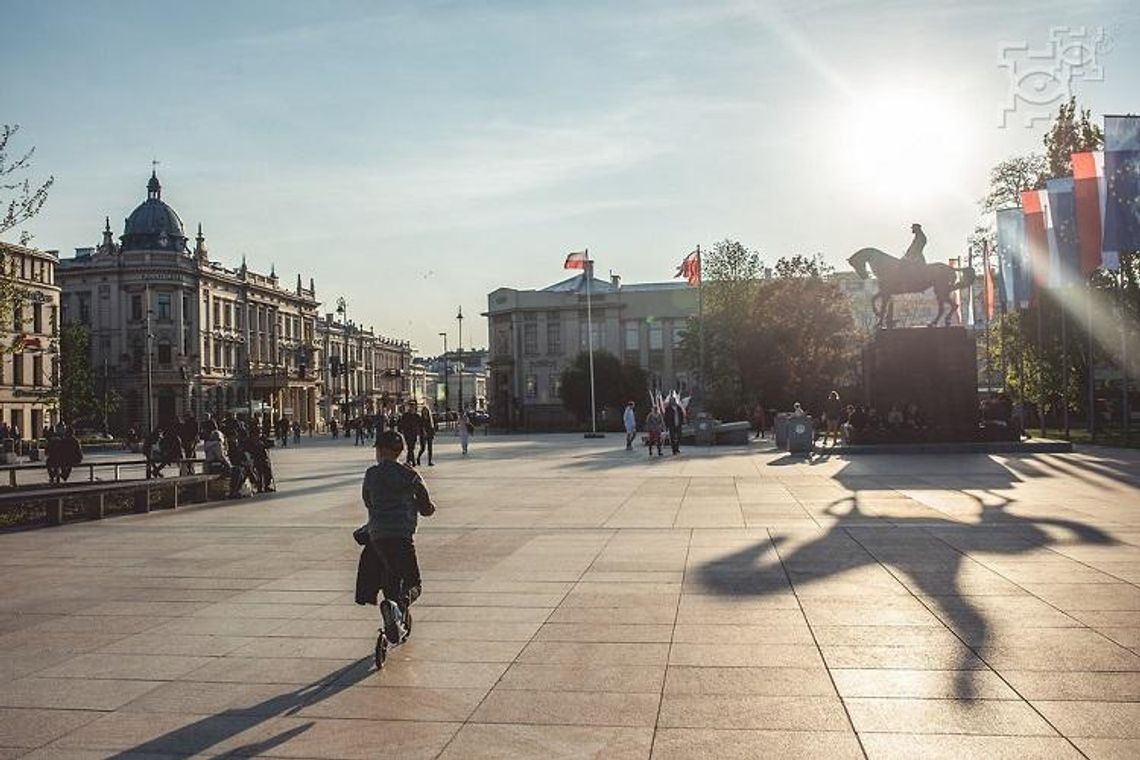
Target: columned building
(175, 332)
(29, 370)
(536, 334)
(363, 373)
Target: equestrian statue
(910, 274)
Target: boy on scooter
(395, 495)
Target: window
(679, 329)
(163, 307)
(228, 315)
(632, 335)
(17, 369)
(531, 386)
(656, 346)
(18, 317)
(84, 308)
(555, 386)
(217, 312)
(37, 370)
(553, 337)
(136, 308)
(37, 318)
(530, 339)
(164, 354)
(598, 335)
(217, 355)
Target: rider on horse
(913, 254)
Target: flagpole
(1091, 361)
(701, 326)
(590, 344)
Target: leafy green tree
(1010, 177)
(1073, 131)
(615, 383)
(800, 342)
(75, 391)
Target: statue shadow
(201, 737)
(926, 553)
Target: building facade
(175, 332)
(536, 334)
(29, 370)
(363, 373)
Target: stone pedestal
(934, 367)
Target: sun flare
(904, 143)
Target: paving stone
(745, 680)
(946, 716)
(31, 728)
(1115, 720)
(574, 677)
(956, 747)
(568, 707)
(517, 742)
(753, 711)
(920, 684)
(718, 744)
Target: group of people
(670, 418)
(233, 450)
(842, 422)
(61, 453)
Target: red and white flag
(1035, 207)
(690, 268)
(1089, 194)
(578, 260)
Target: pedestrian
(409, 425)
(832, 410)
(427, 435)
(395, 496)
(465, 431)
(62, 452)
(629, 418)
(674, 420)
(188, 435)
(654, 426)
(360, 423)
(332, 428)
(296, 432)
(759, 419)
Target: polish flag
(690, 268)
(578, 260)
(1089, 193)
(1035, 205)
(990, 290)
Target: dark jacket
(369, 576)
(394, 494)
(674, 417)
(410, 426)
(63, 450)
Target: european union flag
(1122, 179)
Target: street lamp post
(445, 383)
(342, 310)
(459, 353)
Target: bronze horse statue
(896, 276)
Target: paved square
(582, 601)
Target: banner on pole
(1089, 199)
(1122, 184)
(1012, 251)
(1065, 249)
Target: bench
(114, 466)
(183, 488)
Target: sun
(904, 143)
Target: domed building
(173, 331)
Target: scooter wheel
(381, 650)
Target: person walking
(759, 419)
(629, 418)
(188, 434)
(427, 435)
(654, 426)
(296, 432)
(674, 419)
(62, 452)
(409, 425)
(832, 411)
(332, 428)
(465, 431)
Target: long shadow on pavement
(200, 736)
(926, 553)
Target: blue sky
(412, 157)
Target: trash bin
(780, 429)
(706, 435)
(801, 433)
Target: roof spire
(108, 244)
(273, 271)
(154, 187)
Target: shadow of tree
(927, 553)
(202, 735)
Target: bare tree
(1009, 178)
(21, 199)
